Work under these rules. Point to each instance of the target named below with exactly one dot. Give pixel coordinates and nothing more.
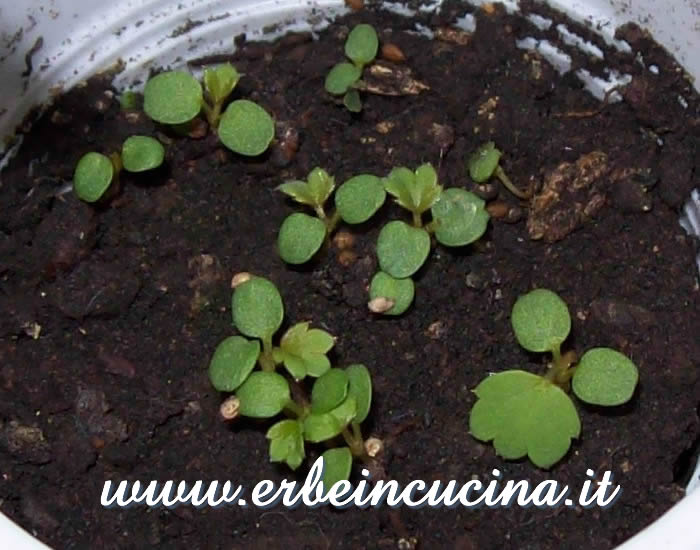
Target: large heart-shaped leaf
(300, 237)
(359, 198)
(257, 308)
(263, 395)
(460, 217)
(402, 249)
(234, 359)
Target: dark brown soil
(132, 298)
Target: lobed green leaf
(524, 414)
(287, 443)
(219, 81)
(320, 184)
(303, 351)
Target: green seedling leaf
(263, 394)
(360, 389)
(303, 351)
(341, 78)
(298, 190)
(541, 320)
(246, 128)
(300, 237)
(320, 427)
(141, 153)
(400, 291)
(524, 414)
(359, 198)
(337, 464)
(233, 360)
(173, 97)
(92, 177)
(219, 81)
(402, 249)
(321, 185)
(257, 308)
(605, 377)
(129, 101)
(287, 443)
(329, 391)
(352, 101)
(415, 191)
(483, 162)
(461, 217)
(362, 44)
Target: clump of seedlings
(340, 399)
(458, 219)
(526, 414)
(301, 236)
(483, 164)
(361, 48)
(176, 98)
(95, 173)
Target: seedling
(340, 399)
(177, 97)
(361, 48)
(484, 163)
(458, 218)
(95, 172)
(525, 414)
(356, 201)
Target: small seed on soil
(497, 209)
(392, 52)
(374, 446)
(453, 36)
(380, 305)
(343, 240)
(230, 407)
(240, 278)
(514, 215)
(486, 191)
(385, 126)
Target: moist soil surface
(111, 313)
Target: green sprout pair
(95, 172)
(525, 414)
(458, 218)
(176, 98)
(356, 201)
(484, 164)
(361, 48)
(340, 398)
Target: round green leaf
(361, 390)
(246, 128)
(257, 308)
(540, 320)
(141, 153)
(605, 377)
(401, 291)
(329, 391)
(362, 44)
(483, 162)
(352, 101)
(461, 217)
(173, 97)
(359, 198)
(233, 360)
(300, 237)
(524, 414)
(341, 78)
(320, 427)
(402, 249)
(337, 464)
(263, 395)
(93, 174)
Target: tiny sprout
(176, 97)
(230, 408)
(361, 48)
(301, 236)
(484, 163)
(525, 414)
(340, 399)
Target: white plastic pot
(68, 40)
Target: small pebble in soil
(497, 209)
(391, 52)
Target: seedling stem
(505, 180)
